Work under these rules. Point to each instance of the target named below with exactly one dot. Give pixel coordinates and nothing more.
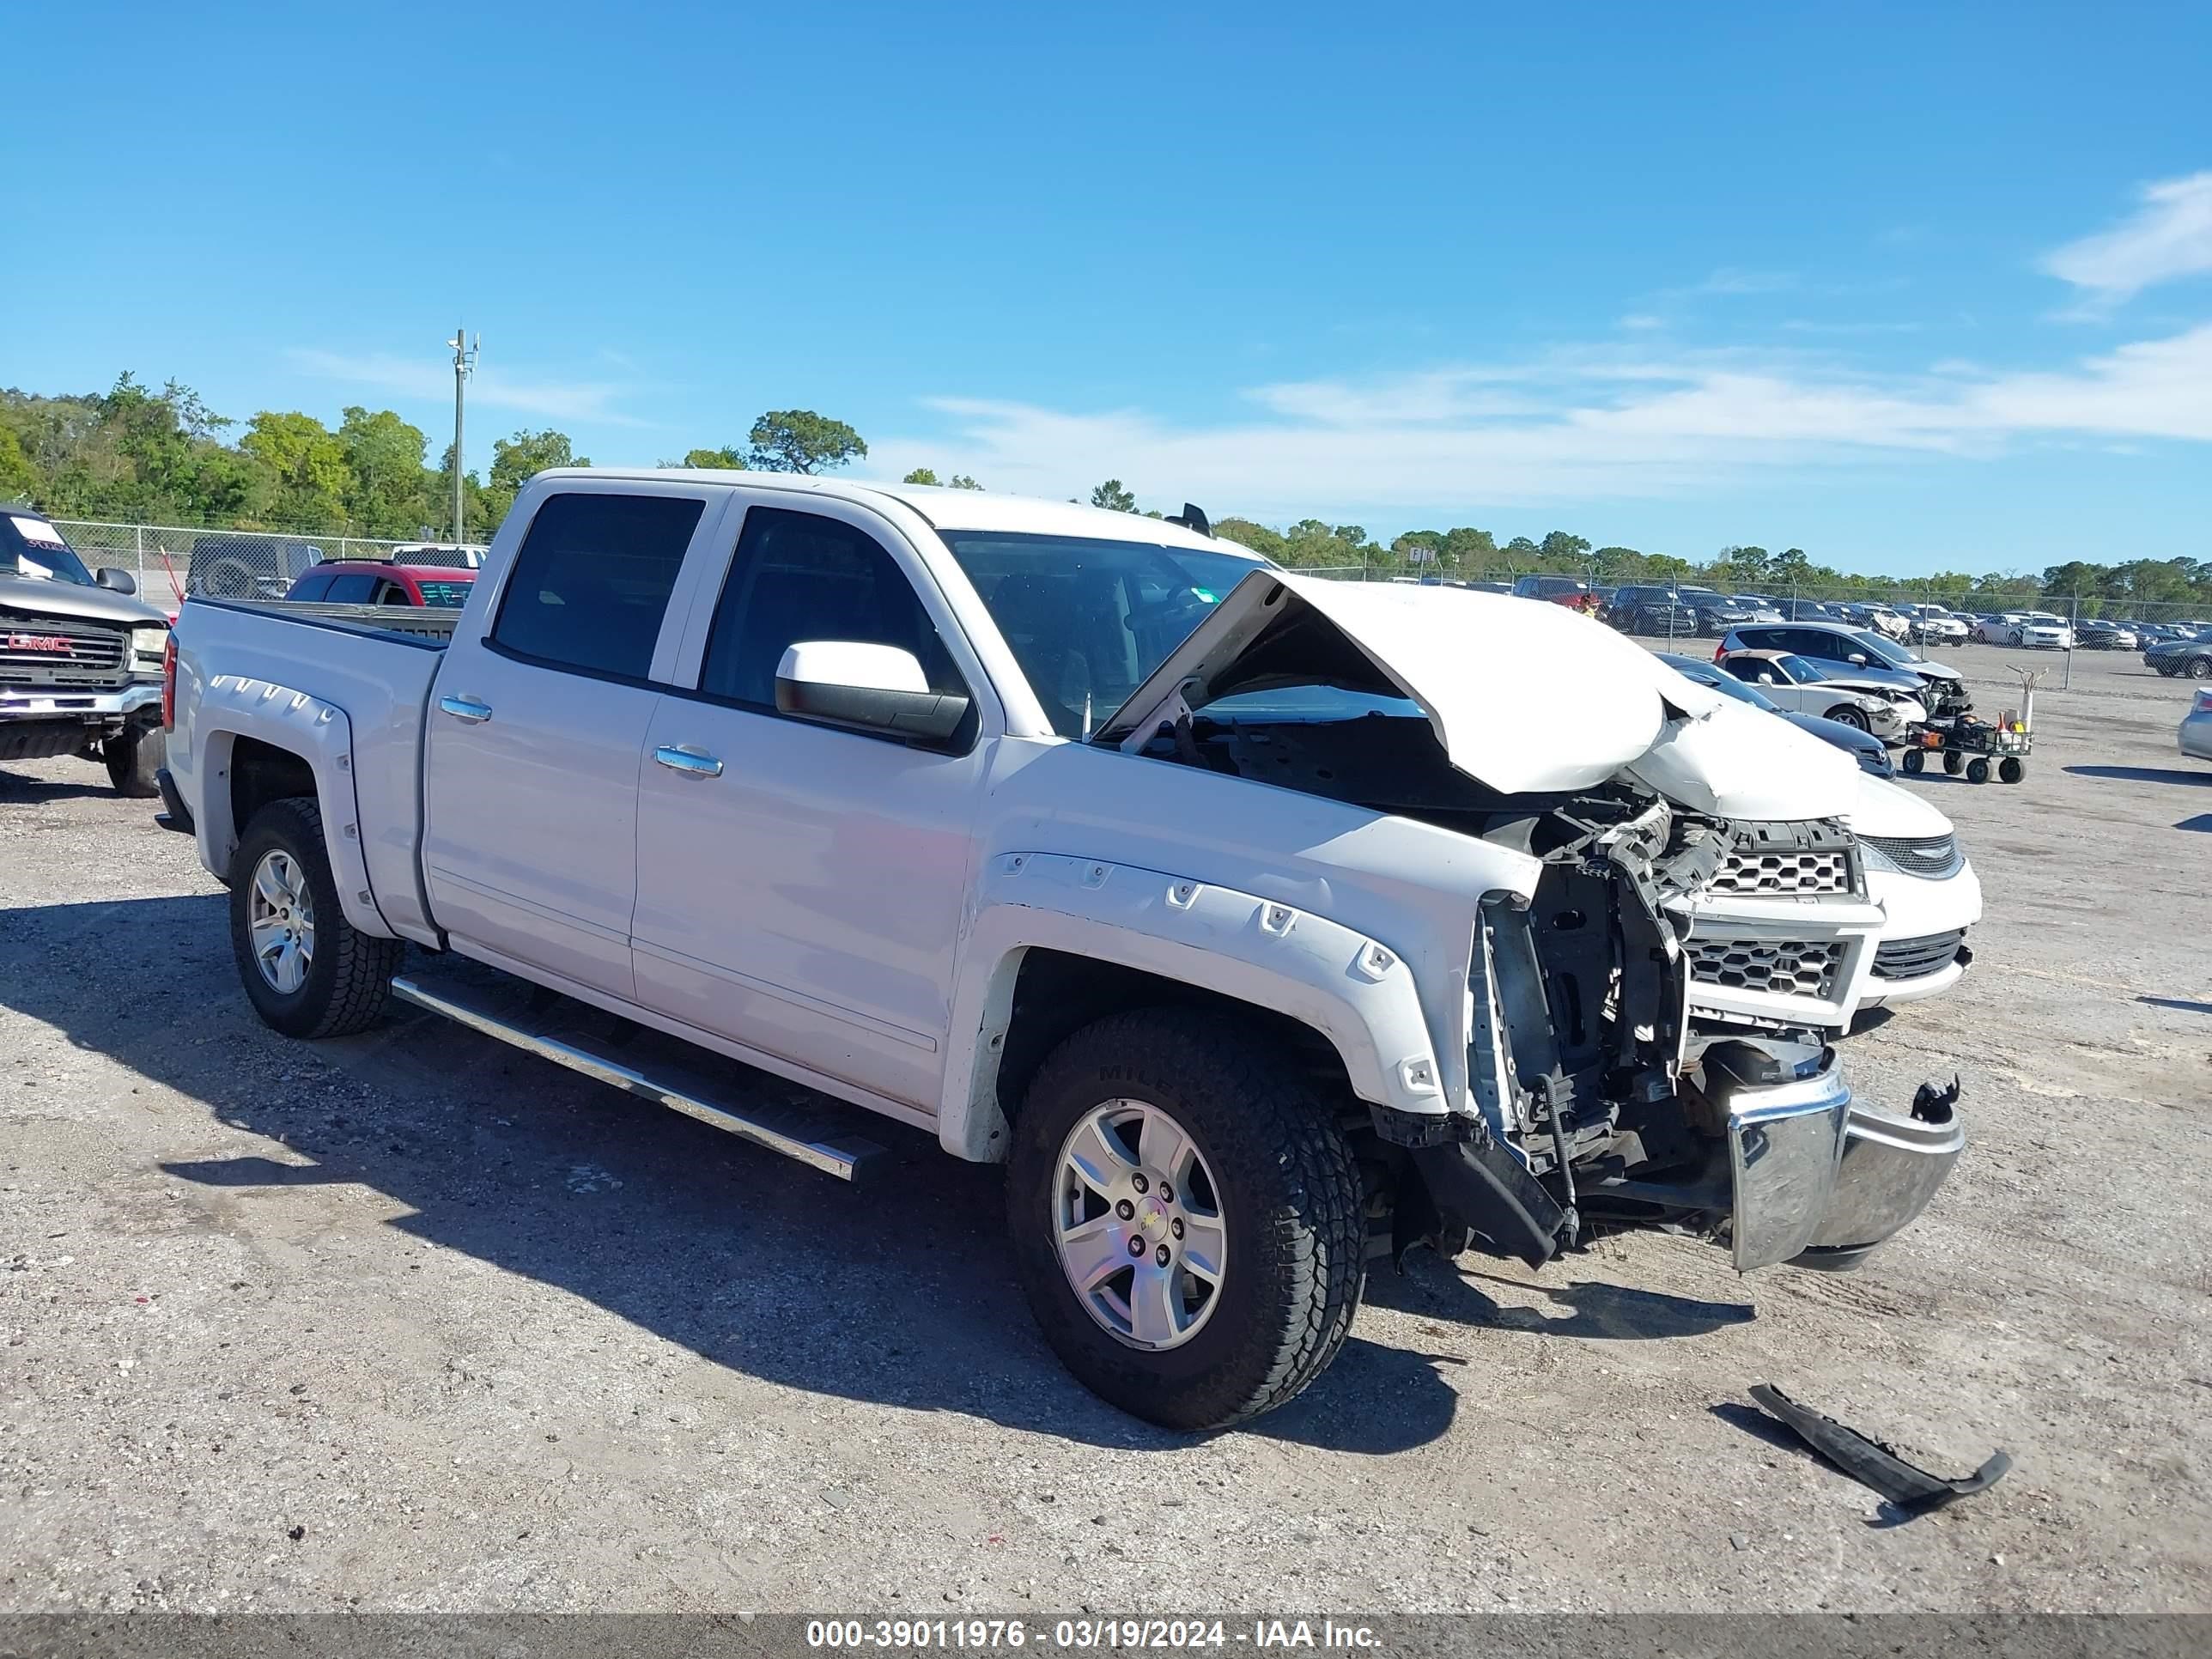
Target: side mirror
(1770, 678)
(1856, 660)
(118, 581)
(866, 688)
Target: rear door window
(591, 579)
(312, 589)
(351, 590)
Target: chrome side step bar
(535, 1023)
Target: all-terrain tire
(1289, 1193)
(133, 756)
(350, 974)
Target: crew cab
(1261, 926)
(80, 658)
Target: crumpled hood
(1895, 812)
(43, 595)
(1525, 696)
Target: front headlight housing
(147, 645)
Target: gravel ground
(408, 1321)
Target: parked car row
(1261, 924)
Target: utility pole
(465, 363)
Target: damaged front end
(1622, 1074)
(1647, 1034)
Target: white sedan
(1929, 896)
(1793, 682)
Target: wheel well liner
(1058, 993)
(260, 772)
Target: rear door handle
(691, 763)
(466, 708)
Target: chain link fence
(175, 560)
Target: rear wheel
(1913, 760)
(2012, 768)
(1954, 762)
(2015, 638)
(2200, 668)
(306, 970)
(1978, 770)
(133, 756)
(1186, 1218)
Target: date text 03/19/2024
(1087, 1633)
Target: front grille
(46, 651)
(1753, 874)
(1785, 968)
(1931, 857)
(1915, 958)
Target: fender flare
(231, 707)
(1357, 991)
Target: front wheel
(1913, 762)
(2012, 768)
(2015, 638)
(1186, 1218)
(1844, 715)
(134, 755)
(1978, 770)
(1954, 762)
(306, 970)
(2200, 668)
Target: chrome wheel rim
(280, 918)
(1138, 1223)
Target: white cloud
(428, 380)
(1641, 320)
(1573, 427)
(2168, 236)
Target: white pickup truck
(1262, 925)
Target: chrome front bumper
(62, 704)
(1817, 1178)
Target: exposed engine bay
(1585, 1050)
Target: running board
(555, 1028)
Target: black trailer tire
(1913, 762)
(348, 973)
(2012, 768)
(1953, 761)
(134, 755)
(1978, 770)
(1283, 1183)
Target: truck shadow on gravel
(17, 790)
(899, 1294)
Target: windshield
(1888, 650)
(40, 551)
(1089, 620)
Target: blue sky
(1911, 290)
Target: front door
(536, 726)
(800, 888)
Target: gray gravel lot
(408, 1321)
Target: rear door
(538, 724)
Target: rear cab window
(591, 579)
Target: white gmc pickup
(1261, 926)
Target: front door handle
(466, 708)
(691, 763)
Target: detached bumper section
(1805, 1173)
(1816, 1177)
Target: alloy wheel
(281, 916)
(1138, 1223)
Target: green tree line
(162, 457)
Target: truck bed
(432, 626)
(375, 665)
